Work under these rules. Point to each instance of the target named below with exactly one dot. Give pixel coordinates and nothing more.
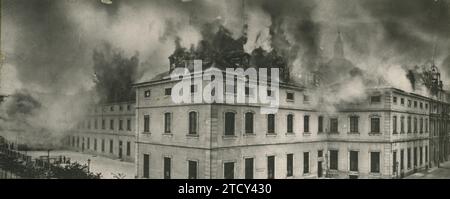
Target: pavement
(443, 172)
(109, 168)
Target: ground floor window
(375, 162)
(333, 159)
(228, 170)
(192, 169)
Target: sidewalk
(443, 172)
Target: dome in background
(338, 68)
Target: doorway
(319, 169)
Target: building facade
(391, 134)
(108, 130)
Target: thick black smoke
(114, 75)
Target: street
(109, 168)
(434, 173)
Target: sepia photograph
(225, 89)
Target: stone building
(108, 130)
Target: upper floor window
(249, 123)
(121, 125)
(290, 123)
(168, 91)
(421, 105)
(229, 123)
(306, 124)
(128, 107)
(375, 99)
(111, 124)
(415, 124)
(320, 124)
(146, 123)
(394, 124)
(415, 104)
(147, 93)
(395, 100)
(402, 124)
(402, 101)
(306, 98)
(111, 108)
(409, 103)
(271, 124)
(120, 108)
(129, 124)
(375, 125)
(103, 124)
(167, 122)
(354, 124)
(193, 123)
(290, 96)
(421, 125)
(409, 124)
(334, 125)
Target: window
(409, 124)
(334, 125)
(333, 159)
(146, 123)
(426, 125)
(426, 106)
(103, 124)
(111, 145)
(167, 166)
(375, 125)
(193, 123)
(402, 158)
(290, 165)
(290, 96)
(354, 124)
(103, 145)
(271, 124)
(426, 154)
(394, 124)
(306, 124)
(395, 100)
(193, 88)
(409, 103)
(394, 162)
(147, 94)
(305, 98)
(146, 168)
(409, 158)
(290, 123)
(111, 108)
(121, 108)
(111, 124)
(421, 105)
(88, 143)
(402, 101)
(121, 125)
(305, 162)
(192, 170)
(128, 148)
(96, 124)
(375, 162)
(402, 124)
(228, 170)
(320, 153)
(167, 122)
(128, 107)
(269, 93)
(129, 124)
(421, 125)
(415, 104)
(375, 99)
(229, 123)
(249, 168)
(168, 91)
(354, 161)
(249, 123)
(415, 124)
(271, 167)
(421, 156)
(415, 156)
(320, 124)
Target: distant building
(108, 130)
